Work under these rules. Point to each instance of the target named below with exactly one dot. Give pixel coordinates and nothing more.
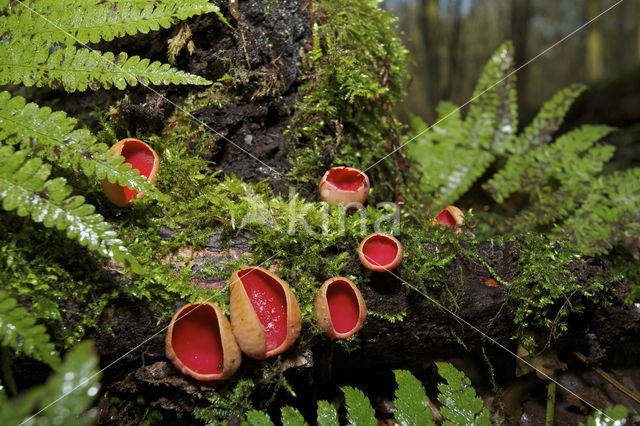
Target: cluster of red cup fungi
(264, 314)
(265, 321)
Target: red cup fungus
(344, 186)
(450, 216)
(141, 157)
(340, 308)
(200, 343)
(265, 317)
(380, 252)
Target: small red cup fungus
(380, 252)
(340, 308)
(344, 186)
(200, 343)
(265, 317)
(141, 157)
(450, 216)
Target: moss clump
(353, 75)
(547, 290)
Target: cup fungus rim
(227, 370)
(321, 298)
(337, 195)
(380, 268)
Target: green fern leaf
(359, 410)
(460, 404)
(493, 115)
(51, 135)
(327, 414)
(292, 417)
(82, 69)
(66, 396)
(548, 120)
(607, 216)
(258, 418)
(24, 187)
(612, 416)
(448, 163)
(411, 401)
(19, 331)
(45, 22)
(570, 160)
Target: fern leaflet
(359, 410)
(82, 69)
(19, 331)
(258, 418)
(411, 401)
(608, 214)
(461, 406)
(51, 135)
(24, 187)
(44, 22)
(570, 160)
(327, 414)
(493, 115)
(292, 417)
(548, 119)
(449, 165)
(73, 389)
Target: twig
(613, 382)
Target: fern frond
(24, 187)
(571, 159)
(66, 396)
(549, 118)
(19, 331)
(45, 22)
(51, 135)
(492, 120)
(448, 163)
(608, 215)
(82, 69)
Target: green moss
(353, 74)
(545, 292)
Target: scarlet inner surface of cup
(380, 250)
(196, 340)
(446, 218)
(346, 179)
(343, 306)
(140, 157)
(270, 303)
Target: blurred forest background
(450, 41)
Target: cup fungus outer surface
(340, 308)
(265, 316)
(141, 157)
(200, 343)
(344, 186)
(380, 252)
(450, 216)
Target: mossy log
(426, 332)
